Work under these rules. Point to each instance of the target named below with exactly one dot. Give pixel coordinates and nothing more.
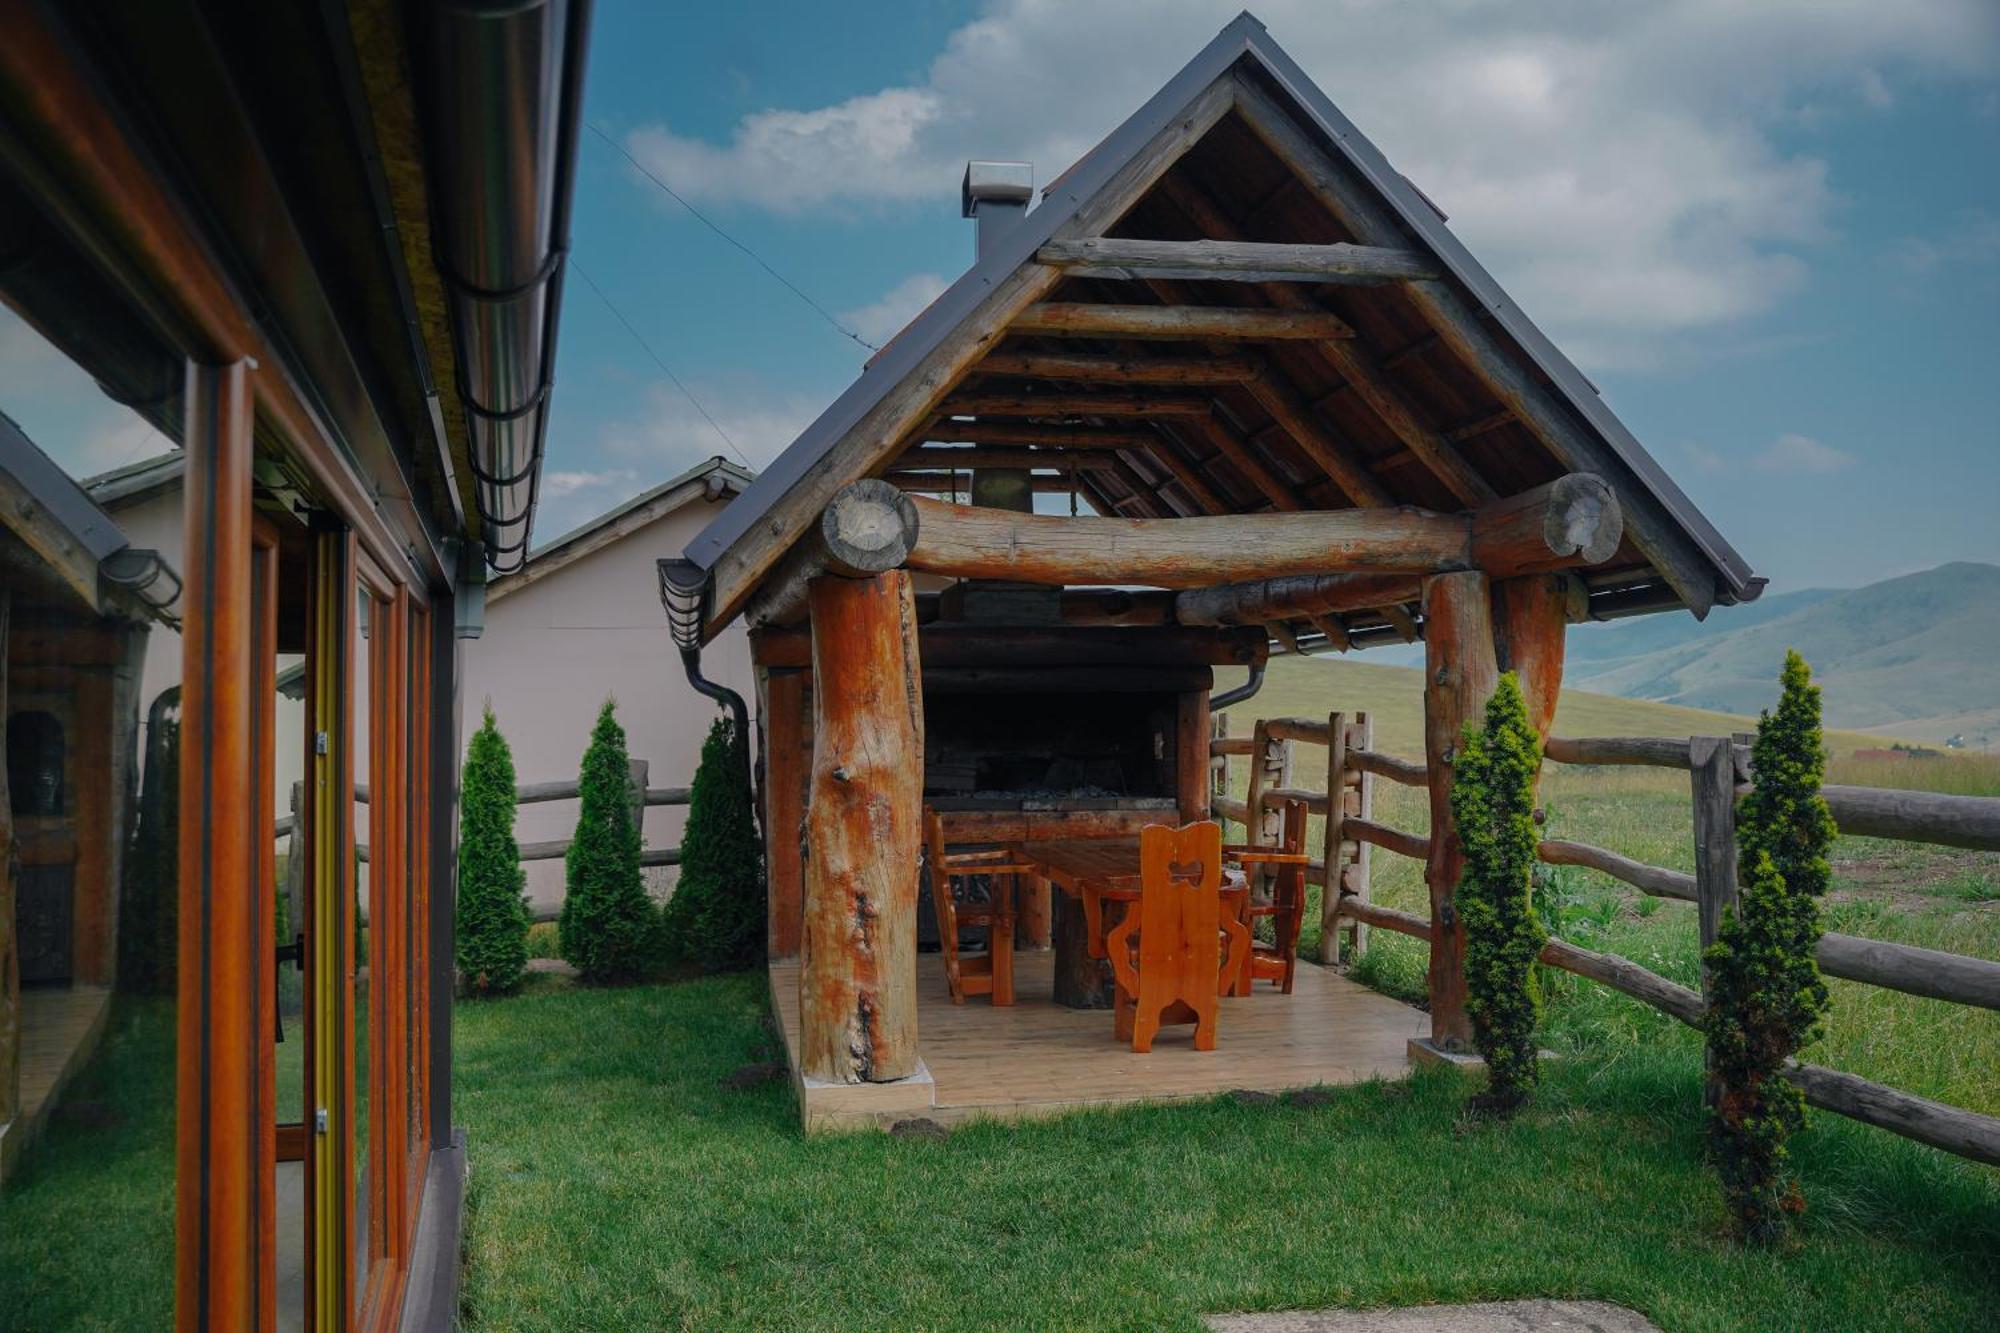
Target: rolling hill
(1394, 695)
(1915, 657)
(1912, 656)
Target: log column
(857, 978)
(1459, 676)
(1531, 620)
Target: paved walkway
(1491, 1317)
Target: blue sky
(1770, 233)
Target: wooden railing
(644, 797)
(1719, 770)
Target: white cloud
(559, 485)
(1613, 164)
(1973, 239)
(1801, 453)
(670, 435)
(879, 321)
(1790, 453)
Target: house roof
(710, 479)
(52, 516)
(1445, 393)
(136, 481)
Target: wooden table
(1091, 872)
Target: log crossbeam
(1233, 261)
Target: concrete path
(1491, 1317)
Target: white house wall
(556, 648)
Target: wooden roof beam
(1012, 432)
(1194, 372)
(1363, 374)
(1126, 260)
(1289, 409)
(1071, 319)
(1075, 405)
(1656, 532)
(1061, 460)
(1232, 446)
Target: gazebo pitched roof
(1403, 375)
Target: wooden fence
(1719, 770)
(531, 793)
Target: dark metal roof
(1242, 45)
(59, 496)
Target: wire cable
(708, 222)
(665, 369)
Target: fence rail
(1719, 769)
(527, 793)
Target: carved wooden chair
(992, 972)
(1167, 955)
(1286, 908)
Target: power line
(665, 369)
(756, 258)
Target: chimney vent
(995, 196)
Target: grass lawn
(616, 1185)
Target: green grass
(616, 1185)
(87, 1227)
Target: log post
(1033, 913)
(857, 978)
(1531, 619)
(786, 757)
(1350, 795)
(1712, 773)
(867, 529)
(1459, 676)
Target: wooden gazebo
(1273, 405)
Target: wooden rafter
(1215, 260)
(1184, 371)
(1075, 405)
(926, 459)
(1011, 432)
(1360, 372)
(878, 431)
(1069, 319)
(1658, 536)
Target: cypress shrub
(715, 920)
(492, 914)
(1765, 996)
(1493, 803)
(149, 916)
(608, 923)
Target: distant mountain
(1917, 656)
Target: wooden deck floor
(59, 1030)
(1038, 1058)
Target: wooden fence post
(637, 772)
(1350, 795)
(1712, 773)
(1270, 766)
(1218, 764)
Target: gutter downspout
(1241, 692)
(684, 589)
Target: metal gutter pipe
(503, 135)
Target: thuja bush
(608, 924)
(1765, 996)
(1493, 804)
(492, 915)
(149, 914)
(715, 920)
